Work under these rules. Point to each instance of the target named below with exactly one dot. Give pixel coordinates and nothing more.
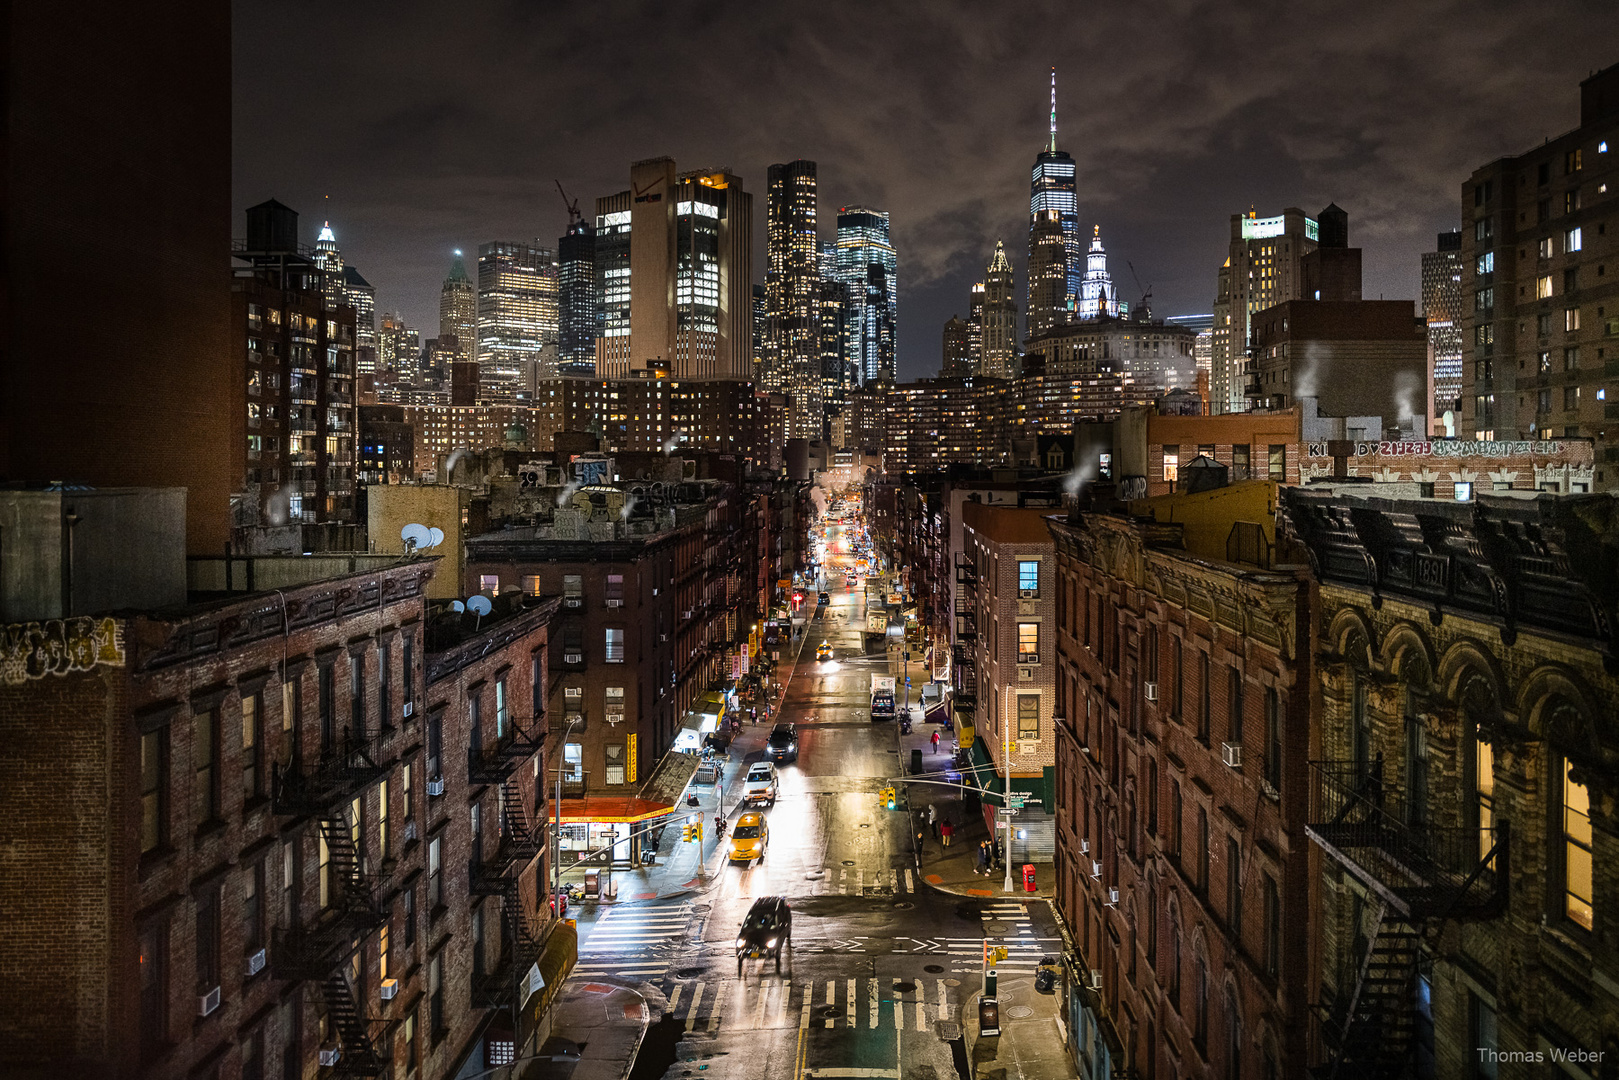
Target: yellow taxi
(749, 838)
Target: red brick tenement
(1182, 742)
(221, 848)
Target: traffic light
(997, 954)
(697, 832)
(685, 834)
(889, 797)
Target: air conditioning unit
(612, 602)
(573, 657)
(1084, 847)
(390, 987)
(255, 963)
(1095, 982)
(435, 787)
(1231, 754)
(663, 637)
(685, 615)
(1150, 690)
(573, 601)
(1025, 673)
(1027, 594)
(1096, 870)
(208, 1002)
(410, 707)
(331, 1057)
(410, 831)
(1113, 898)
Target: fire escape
(1417, 877)
(318, 951)
(964, 660)
(520, 843)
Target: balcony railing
(301, 787)
(495, 764)
(1420, 870)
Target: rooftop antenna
(420, 538)
(1054, 110)
(571, 204)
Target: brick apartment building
(254, 864)
(1463, 796)
(1005, 624)
(1182, 733)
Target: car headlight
(741, 942)
(770, 944)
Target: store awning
(611, 809)
(669, 779)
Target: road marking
(899, 1008)
(674, 998)
(922, 1008)
(719, 1003)
(871, 986)
(696, 999)
(759, 1010)
(910, 881)
(944, 1002)
(848, 1004)
(804, 1015)
(831, 997)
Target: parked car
(766, 931)
(760, 785)
(783, 743)
(749, 838)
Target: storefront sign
(1448, 448)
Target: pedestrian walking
(946, 830)
(935, 742)
(982, 866)
(933, 820)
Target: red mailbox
(1028, 877)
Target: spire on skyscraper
(998, 262)
(326, 234)
(1053, 110)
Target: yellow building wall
(1206, 517)
(390, 507)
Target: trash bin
(916, 762)
(592, 883)
(1045, 976)
(1028, 877)
(989, 1016)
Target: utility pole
(556, 844)
(1006, 798)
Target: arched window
(1480, 712)
(1415, 676)
(1152, 922)
(1574, 814)
(1360, 724)
(1200, 1004)
(1233, 1037)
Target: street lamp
(1006, 797)
(556, 843)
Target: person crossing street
(935, 741)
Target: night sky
(418, 128)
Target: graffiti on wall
(38, 650)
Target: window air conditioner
(1025, 673)
(573, 601)
(1113, 898)
(255, 963)
(410, 831)
(1084, 847)
(611, 602)
(435, 787)
(1150, 690)
(1096, 870)
(1028, 594)
(390, 987)
(410, 707)
(208, 1002)
(1231, 753)
(1095, 980)
(331, 1057)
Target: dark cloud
(422, 127)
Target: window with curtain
(1576, 818)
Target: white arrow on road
(921, 946)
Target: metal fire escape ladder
(519, 844)
(356, 1055)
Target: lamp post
(1006, 798)
(556, 843)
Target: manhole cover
(689, 972)
(997, 928)
(903, 906)
(934, 969)
(701, 908)
(1018, 1012)
(848, 862)
(826, 1011)
(905, 987)
(877, 890)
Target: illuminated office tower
(1097, 297)
(517, 319)
(1052, 191)
(576, 299)
(1264, 266)
(399, 348)
(761, 326)
(458, 312)
(342, 284)
(1442, 310)
(793, 295)
(863, 242)
(1048, 276)
(834, 339)
(1000, 319)
(975, 329)
(957, 361)
(674, 273)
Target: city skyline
(1165, 152)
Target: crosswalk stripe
(691, 1010)
(804, 1015)
(848, 1003)
(831, 997)
(719, 1004)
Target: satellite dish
(436, 537)
(415, 537)
(479, 605)
(456, 605)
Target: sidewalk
(953, 869)
(1031, 1043)
(603, 1026)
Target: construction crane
(1146, 293)
(571, 204)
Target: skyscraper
(458, 313)
(517, 318)
(342, 284)
(576, 298)
(792, 291)
(1048, 275)
(1052, 191)
(688, 237)
(975, 328)
(1264, 267)
(877, 332)
(1000, 318)
(834, 338)
(399, 348)
(957, 361)
(1442, 310)
(863, 242)
(1097, 297)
